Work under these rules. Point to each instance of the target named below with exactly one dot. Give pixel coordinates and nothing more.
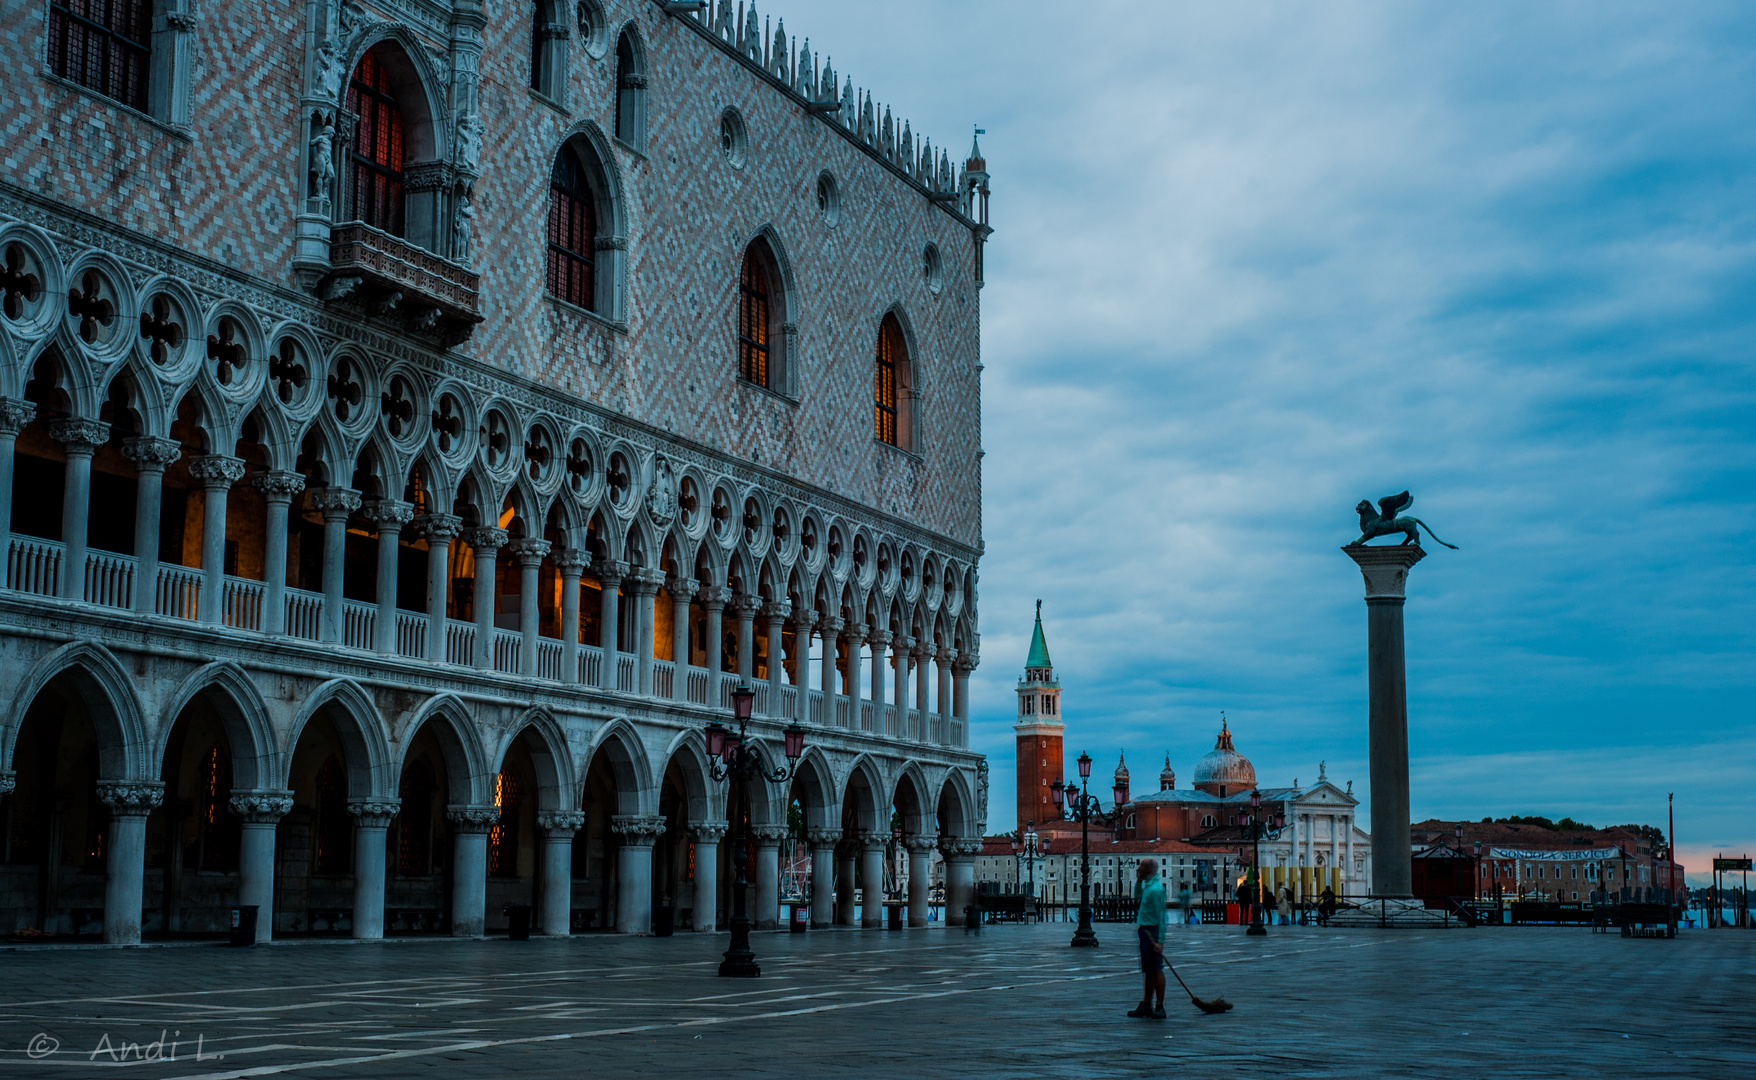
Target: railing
(507, 645)
(549, 658)
(179, 591)
(242, 603)
(358, 624)
(109, 579)
(728, 681)
(841, 711)
(664, 676)
(304, 614)
(866, 708)
(34, 566)
(789, 701)
(411, 634)
(814, 706)
(460, 643)
(890, 725)
(627, 677)
(697, 685)
(959, 733)
(591, 665)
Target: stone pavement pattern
(1013, 1002)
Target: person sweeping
(1151, 924)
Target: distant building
(1545, 864)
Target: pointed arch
(105, 688)
(689, 751)
(631, 82)
(896, 381)
(466, 760)
(394, 90)
(361, 730)
(242, 713)
(955, 807)
(767, 300)
(636, 782)
(911, 795)
(862, 795)
(814, 785)
(587, 225)
(557, 783)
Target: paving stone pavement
(1014, 1001)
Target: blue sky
(1254, 263)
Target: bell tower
(1038, 728)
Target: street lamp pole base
(1257, 930)
(739, 969)
(1084, 938)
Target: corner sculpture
(1385, 522)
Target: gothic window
(573, 230)
(891, 394)
(105, 45)
(630, 91)
(548, 49)
(759, 318)
(376, 157)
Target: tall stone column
(335, 504)
(389, 516)
(278, 489)
(872, 881)
(856, 638)
(634, 871)
(1386, 572)
(880, 640)
(571, 563)
(774, 617)
(610, 576)
(707, 837)
(486, 542)
(646, 586)
(681, 589)
(260, 812)
(923, 700)
(920, 875)
(80, 438)
(803, 621)
(960, 669)
(846, 910)
(371, 818)
(945, 657)
(529, 554)
(714, 599)
(216, 474)
(558, 826)
(822, 843)
(469, 866)
(745, 606)
(150, 456)
(14, 414)
(900, 648)
(439, 530)
(765, 875)
(960, 877)
(830, 627)
(130, 801)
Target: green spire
(1039, 649)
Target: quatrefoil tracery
(158, 326)
(447, 423)
(288, 374)
(616, 478)
(344, 389)
(579, 467)
(19, 284)
(537, 454)
(227, 353)
(90, 307)
(398, 410)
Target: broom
(1217, 1005)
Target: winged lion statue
(1384, 521)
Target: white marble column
(610, 575)
(900, 648)
(336, 505)
(216, 474)
(745, 606)
(880, 640)
(15, 413)
(960, 669)
(151, 456)
(558, 827)
(923, 699)
(130, 801)
(259, 812)
(765, 875)
(945, 656)
(389, 516)
(714, 599)
(707, 837)
(80, 438)
(439, 530)
(1347, 867)
(872, 881)
(634, 871)
(829, 627)
(529, 554)
(774, 617)
(856, 640)
(278, 489)
(681, 590)
(572, 564)
(920, 876)
(803, 621)
(469, 866)
(646, 586)
(822, 843)
(486, 542)
(371, 818)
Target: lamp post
(728, 756)
(1258, 828)
(1080, 806)
(1029, 851)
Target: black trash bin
(664, 922)
(244, 925)
(518, 927)
(801, 918)
(972, 920)
(895, 912)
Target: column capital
(855, 631)
(804, 618)
(612, 570)
(923, 844)
(769, 835)
(262, 807)
(953, 848)
(79, 434)
(920, 650)
(681, 588)
(903, 643)
(1385, 568)
(708, 832)
(216, 471)
(390, 515)
(528, 552)
(572, 562)
(473, 819)
(745, 606)
(966, 663)
(14, 414)
(278, 486)
(878, 638)
(714, 597)
(8, 781)
(828, 625)
(871, 840)
(485, 538)
(776, 611)
(150, 453)
(637, 830)
(374, 813)
(560, 823)
(822, 838)
(438, 528)
(646, 582)
(945, 654)
(335, 502)
(131, 798)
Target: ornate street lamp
(728, 756)
(1081, 806)
(1258, 829)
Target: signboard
(1731, 864)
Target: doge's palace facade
(416, 416)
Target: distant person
(1286, 906)
(1151, 924)
(1326, 909)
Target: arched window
(630, 92)
(892, 396)
(375, 160)
(573, 230)
(756, 318)
(548, 50)
(1208, 822)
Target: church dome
(1224, 768)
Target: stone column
(845, 886)
(371, 818)
(880, 640)
(803, 621)
(634, 871)
(530, 555)
(260, 812)
(486, 542)
(439, 530)
(920, 875)
(610, 576)
(14, 414)
(335, 504)
(1347, 867)
(278, 489)
(872, 881)
(571, 563)
(960, 877)
(130, 801)
(745, 606)
(945, 657)
(681, 589)
(389, 515)
(646, 586)
(822, 843)
(765, 876)
(901, 647)
(469, 866)
(1386, 572)
(216, 474)
(707, 837)
(713, 602)
(960, 669)
(81, 439)
(774, 617)
(923, 701)
(856, 638)
(150, 456)
(558, 826)
(830, 628)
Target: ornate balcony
(391, 277)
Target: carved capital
(959, 849)
(390, 515)
(745, 606)
(79, 435)
(150, 453)
(262, 807)
(9, 781)
(438, 528)
(878, 638)
(777, 611)
(473, 819)
(278, 486)
(216, 471)
(572, 562)
(610, 243)
(131, 798)
(637, 830)
(855, 633)
(714, 597)
(921, 650)
(924, 844)
(646, 582)
(528, 552)
(335, 502)
(769, 835)
(374, 813)
(965, 663)
(829, 625)
(823, 838)
(945, 655)
(903, 644)
(559, 823)
(804, 619)
(14, 414)
(182, 21)
(873, 841)
(485, 539)
(426, 176)
(1385, 569)
(681, 588)
(611, 572)
(789, 328)
(709, 833)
